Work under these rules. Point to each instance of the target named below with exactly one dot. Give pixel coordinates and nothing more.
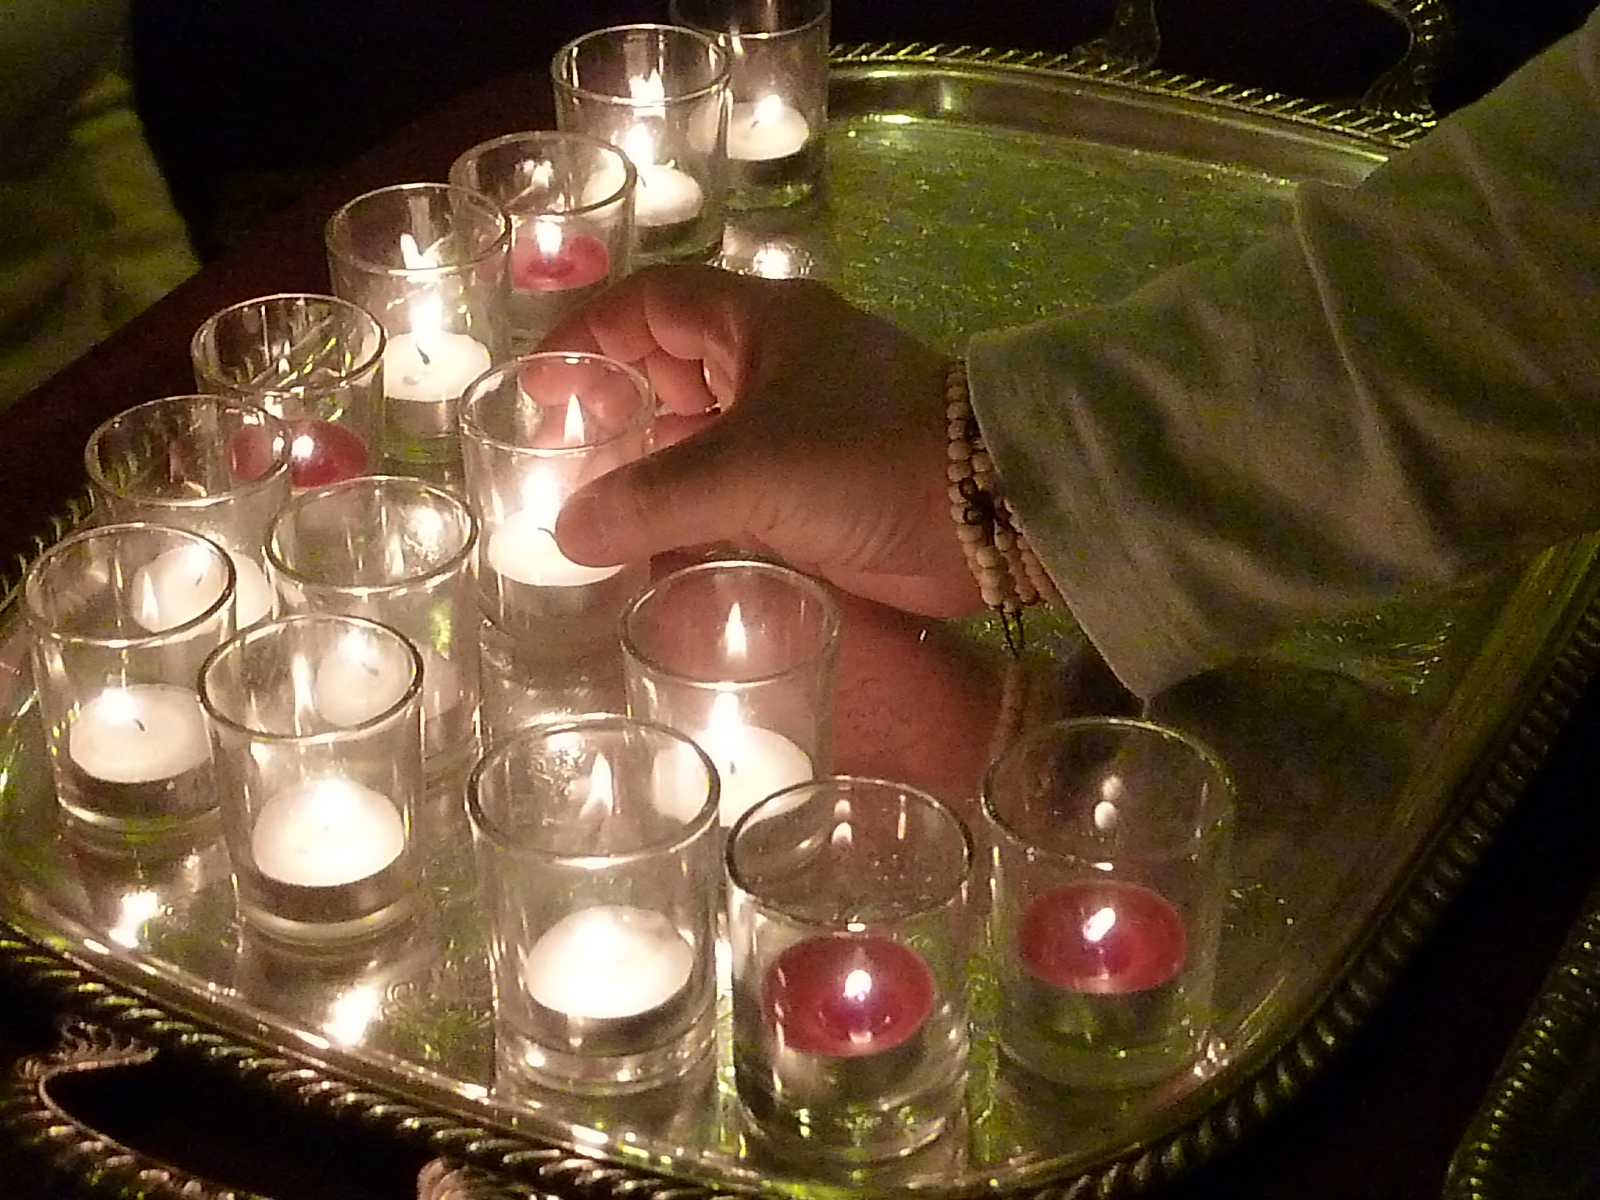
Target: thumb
(660, 502)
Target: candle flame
(541, 499)
(640, 147)
(351, 1014)
(768, 108)
(414, 257)
(735, 641)
(602, 790)
(137, 908)
(725, 719)
(1099, 924)
(572, 432)
(647, 90)
(858, 985)
(547, 236)
(117, 704)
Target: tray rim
(1505, 767)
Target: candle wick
(423, 355)
(140, 725)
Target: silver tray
(1376, 758)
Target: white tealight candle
(326, 833)
(666, 196)
(608, 961)
(356, 681)
(139, 734)
(524, 550)
(766, 129)
(432, 367)
(176, 586)
(751, 764)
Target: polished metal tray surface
(1375, 758)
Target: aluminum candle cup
(122, 616)
(431, 262)
(398, 551)
(570, 199)
(660, 94)
(740, 656)
(209, 464)
(849, 937)
(315, 361)
(597, 854)
(317, 724)
(778, 83)
(1110, 872)
(532, 432)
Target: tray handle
(1404, 91)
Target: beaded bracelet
(1009, 574)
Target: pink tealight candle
(542, 263)
(1101, 937)
(321, 452)
(844, 996)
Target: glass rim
(1006, 826)
(243, 640)
(281, 467)
(366, 366)
(630, 173)
(479, 390)
(784, 800)
(814, 588)
(820, 16)
(458, 558)
(704, 819)
(722, 65)
(153, 639)
(337, 242)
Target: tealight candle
(433, 367)
(847, 996)
(327, 833)
(608, 962)
(355, 683)
(176, 586)
(324, 452)
(666, 196)
(1101, 937)
(523, 549)
(550, 260)
(139, 734)
(752, 762)
(766, 129)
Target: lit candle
(358, 680)
(323, 452)
(550, 260)
(139, 734)
(847, 995)
(607, 962)
(429, 364)
(327, 833)
(766, 129)
(664, 195)
(752, 763)
(176, 586)
(1101, 937)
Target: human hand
(795, 424)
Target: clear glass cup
(121, 617)
(431, 262)
(212, 465)
(532, 431)
(740, 655)
(850, 936)
(1110, 874)
(396, 550)
(315, 361)
(660, 94)
(778, 83)
(317, 723)
(570, 199)
(595, 843)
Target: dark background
(246, 101)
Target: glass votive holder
(570, 199)
(317, 725)
(430, 261)
(1110, 873)
(399, 551)
(315, 361)
(121, 618)
(596, 851)
(212, 465)
(778, 84)
(740, 655)
(660, 94)
(532, 432)
(849, 937)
